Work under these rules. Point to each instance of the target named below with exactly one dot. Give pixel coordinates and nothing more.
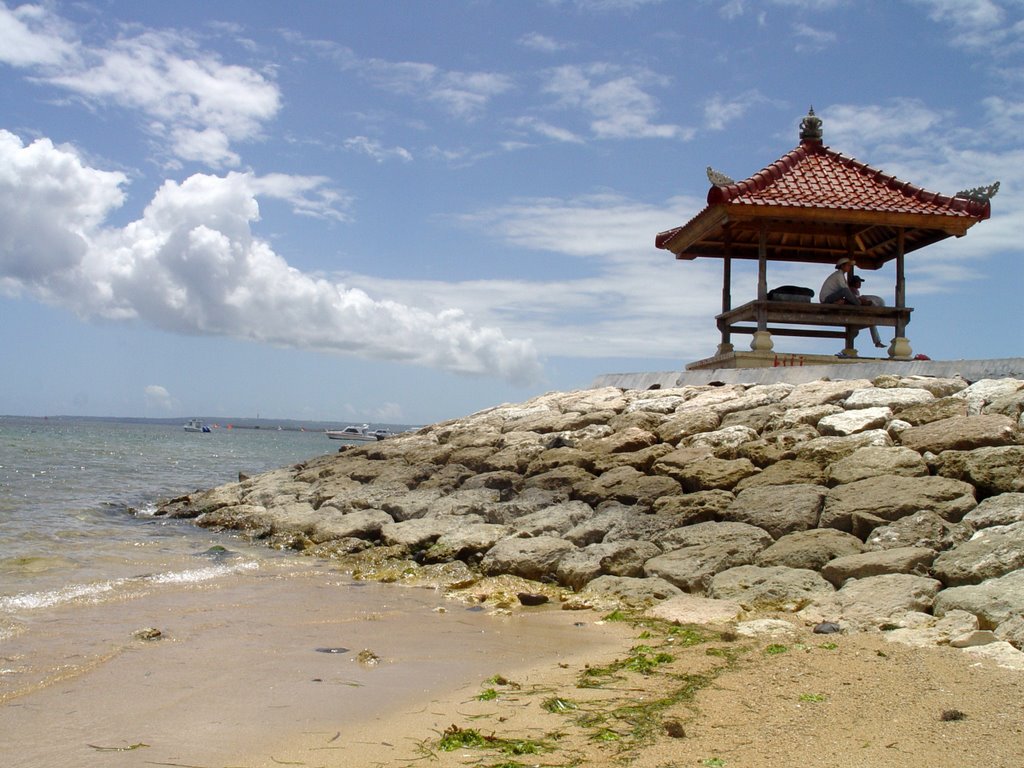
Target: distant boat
(196, 425)
(361, 434)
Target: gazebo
(815, 205)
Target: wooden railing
(771, 316)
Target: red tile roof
(815, 204)
(814, 176)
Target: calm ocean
(76, 503)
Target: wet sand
(255, 664)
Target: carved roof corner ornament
(810, 127)
(980, 194)
(718, 178)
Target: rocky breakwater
(894, 504)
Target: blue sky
(408, 211)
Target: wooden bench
(849, 318)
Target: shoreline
(228, 685)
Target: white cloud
(376, 150)
(191, 264)
(31, 35)
(543, 43)
(629, 300)
(547, 130)
(158, 397)
(191, 101)
(616, 101)
(811, 39)
(461, 94)
(719, 112)
(974, 23)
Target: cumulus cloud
(617, 101)
(31, 35)
(626, 300)
(193, 103)
(158, 397)
(192, 265)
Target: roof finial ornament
(980, 194)
(718, 178)
(810, 127)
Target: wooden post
(901, 281)
(762, 341)
(762, 275)
(726, 344)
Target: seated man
(835, 289)
(876, 301)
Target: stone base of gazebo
(773, 359)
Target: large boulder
(627, 486)
(465, 541)
(921, 529)
(606, 592)
(535, 558)
(774, 588)
(696, 553)
(994, 601)
(419, 533)
(823, 391)
(894, 399)
(778, 509)
(553, 519)
(877, 563)
(1004, 509)
(619, 558)
(711, 473)
(873, 461)
(810, 549)
(785, 472)
(962, 433)
(988, 554)
(935, 410)
(890, 497)
(361, 524)
(690, 508)
(829, 449)
(877, 600)
(854, 421)
(991, 470)
(722, 442)
(690, 422)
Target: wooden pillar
(762, 275)
(726, 344)
(851, 330)
(900, 347)
(762, 341)
(901, 281)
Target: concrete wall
(972, 370)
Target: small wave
(36, 600)
(96, 591)
(196, 575)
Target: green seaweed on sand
(455, 737)
(129, 748)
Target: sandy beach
(260, 661)
(265, 670)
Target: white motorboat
(196, 425)
(356, 434)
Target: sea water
(77, 528)
(255, 649)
